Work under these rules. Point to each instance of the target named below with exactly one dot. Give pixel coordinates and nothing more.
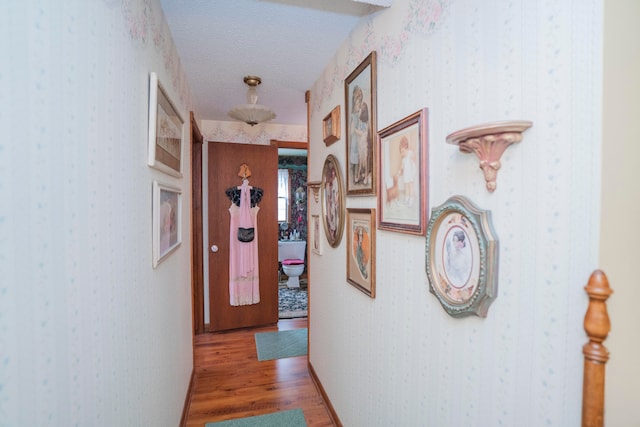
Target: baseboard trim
(187, 399)
(316, 381)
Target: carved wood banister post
(596, 355)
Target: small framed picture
(167, 221)
(332, 201)
(361, 248)
(360, 119)
(462, 257)
(316, 241)
(165, 131)
(403, 176)
(331, 126)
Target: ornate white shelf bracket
(314, 186)
(489, 141)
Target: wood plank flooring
(229, 381)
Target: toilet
(293, 268)
(291, 255)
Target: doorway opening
(292, 233)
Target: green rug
(281, 344)
(292, 418)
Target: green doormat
(281, 344)
(292, 418)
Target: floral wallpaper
(297, 166)
(228, 131)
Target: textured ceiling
(285, 42)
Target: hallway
(230, 382)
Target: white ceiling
(287, 43)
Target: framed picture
(331, 126)
(332, 201)
(361, 248)
(462, 257)
(360, 118)
(167, 221)
(165, 131)
(403, 178)
(316, 241)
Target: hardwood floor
(229, 381)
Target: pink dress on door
(244, 286)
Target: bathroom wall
(400, 355)
(297, 166)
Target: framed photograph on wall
(331, 126)
(332, 201)
(360, 119)
(462, 257)
(316, 240)
(167, 221)
(165, 131)
(403, 178)
(361, 248)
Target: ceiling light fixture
(252, 113)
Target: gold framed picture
(331, 126)
(403, 177)
(361, 250)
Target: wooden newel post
(596, 355)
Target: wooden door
(224, 163)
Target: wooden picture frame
(167, 221)
(331, 126)
(462, 257)
(333, 203)
(403, 178)
(360, 119)
(361, 250)
(314, 231)
(165, 131)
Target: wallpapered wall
(400, 356)
(90, 333)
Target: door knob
(214, 248)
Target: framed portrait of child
(403, 177)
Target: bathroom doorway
(292, 227)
